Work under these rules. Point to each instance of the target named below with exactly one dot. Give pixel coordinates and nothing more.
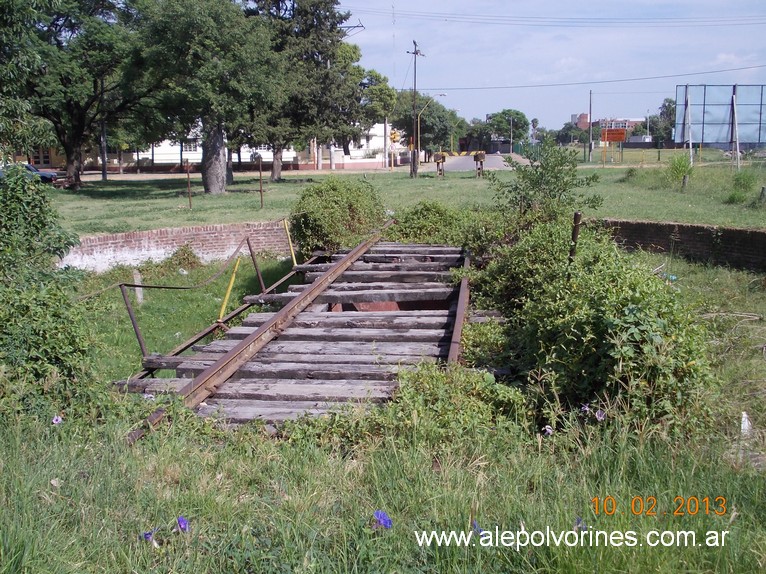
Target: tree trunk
(213, 158)
(276, 164)
(346, 147)
(229, 168)
(73, 167)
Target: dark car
(45, 176)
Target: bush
(43, 340)
(679, 166)
(433, 222)
(605, 330)
(336, 213)
(548, 183)
(433, 406)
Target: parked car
(45, 176)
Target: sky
(546, 57)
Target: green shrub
(336, 213)
(433, 405)
(744, 181)
(736, 197)
(604, 330)
(433, 222)
(679, 166)
(547, 183)
(43, 338)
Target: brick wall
(209, 242)
(737, 248)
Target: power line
(561, 22)
(592, 82)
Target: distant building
(624, 123)
(580, 120)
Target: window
(190, 145)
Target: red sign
(614, 134)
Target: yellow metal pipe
(228, 290)
(290, 242)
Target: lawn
(628, 192)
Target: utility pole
(590, 125)
(415, 152)
(510, 151)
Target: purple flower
(547, 430)
(57, 420)
(585, 409)
(382, 520)
(600, 415)
(476, 528)
(580, 525)
(183, 524)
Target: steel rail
(213, 327)
(206, 383)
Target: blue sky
(486, 55)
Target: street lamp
(431, 99)
(452, 133)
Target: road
(467, 163)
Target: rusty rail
(206, 383)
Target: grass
(80, 500)
(629, 193)
(77, 499)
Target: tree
(215, 65)
(437, 123)
(364, 97)
(85, 48)
(19, 61)
(307, 41)
(500, 124)
(666, 120)
(547, 184)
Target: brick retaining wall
(738, 248)
(209, 242)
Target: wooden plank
(153, 386)
(324, 371)
(350, 334)
(172, 361)
(390, 276)
(412, 248)
(374, 285)
(306, 390)
(362, 266)
(409, 258)
(321, 348)
(366, 320)
(371, 295)
(266, 357)
(242, 411)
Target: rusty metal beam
(462, 306)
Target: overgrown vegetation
(336, 213)
(594, 363)
(548, 184)
(43, 341)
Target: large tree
(214, 66)
(86, 49)
(308, 40)
(19, 61)
(501, 123)
(364, 98)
